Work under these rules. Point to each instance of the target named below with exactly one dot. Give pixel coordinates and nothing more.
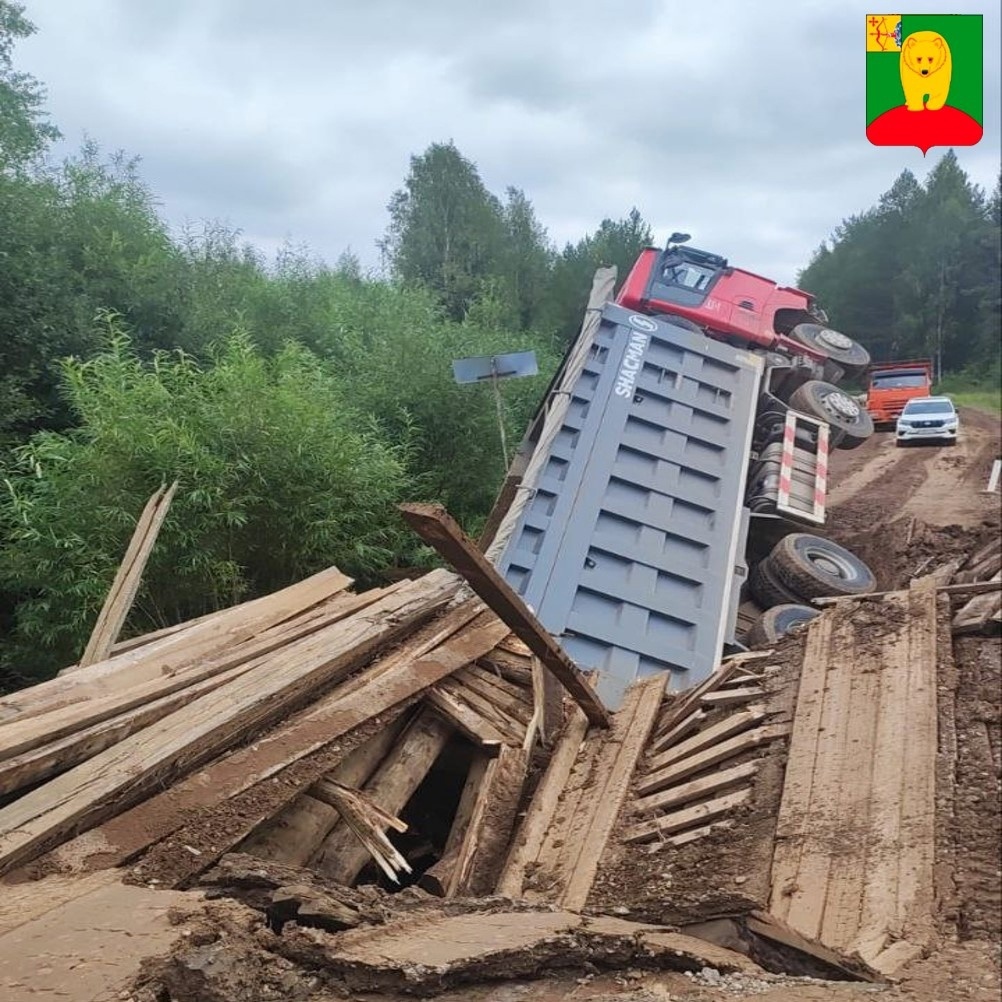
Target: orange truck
(892, 384)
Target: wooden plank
(691, 765)
(731, 697)
(125, 586)
(481, 853)
(342, 856)
(676, 796)
(437, 528)
(118, 776)
(514, 705)
(465, 719)
(688, 817)
(677, 733)
(733, 723)
(526, 847)
(692, 699)
(799, 777)
(976, 614)
(20, 736)
(297, 831)
(512, 667)
(624, 745)
(693, 835)
(176, 651)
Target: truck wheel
(848, 419)
(813, 567)
(849, 354)
(777, 622)
(768, 590)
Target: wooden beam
(969, 588)
(731, 697)
(124, 588)
(437, 528)
(465, 719)
(341, 856)
(732, 724)
(688, 817)
(676, 796)
(681, 730)
(691, 765)
(481, 853)
(691, 700)
(126, 772)
(511, 731)
(692, 835)
(525, 848)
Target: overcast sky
(740, 123)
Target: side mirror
(679, 238)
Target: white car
(928, 419)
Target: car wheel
(813, 567)
(828, 403)
(849, 354)
(767, 588)
(777, 622)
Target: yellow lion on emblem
(926, 68)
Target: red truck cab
(734, 305)
(892, 384)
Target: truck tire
(767, 589)
(850, 422)
(849, 354)
(777, 622)
(813, 567)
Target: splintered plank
(681, 730)
(685, 793)
(480, 856)
(464, 718)
(437, 528)
(121, 775)
(540, 815)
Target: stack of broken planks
(699, 765)
(981, 613)
(297, 725)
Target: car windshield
(928, 407)
(687, 274)
(898, 380)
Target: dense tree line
(294, 401)
(917, 275)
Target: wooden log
(691, 765)
(341, 857)
(123, 774)
(437, 528)
(481, 853)
(20, 736)
(676, 796)
(688, 817)
(731, 697)
(297, 831)
(465, 719)
(509, 666)
(124, 588)
(176, 651)
(525, 849)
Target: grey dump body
(630, 550)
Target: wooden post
(437, 528)
(130, 573)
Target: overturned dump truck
(670, 490)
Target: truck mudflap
(630, 550)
